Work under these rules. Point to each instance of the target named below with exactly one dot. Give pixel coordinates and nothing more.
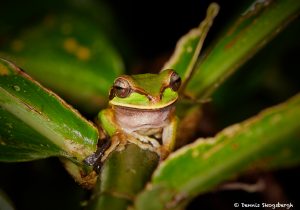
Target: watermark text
(264, 205)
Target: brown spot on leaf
(49, 21)
(234, 146)
(17, 45)
(70, 45)
(236, 38)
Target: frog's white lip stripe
(146, 107)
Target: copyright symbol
(236, 205)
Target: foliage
(79, 62)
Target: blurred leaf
(26, 15)
(69, 53)
(251, 31)
(5, 202)
(267, 141)
(36, 123)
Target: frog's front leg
(95, 159)
(169, 137)
(108, 142)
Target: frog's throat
(131, 119)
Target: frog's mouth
(145, 101)
(141, 107)
(133, 119)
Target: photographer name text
(264, 205)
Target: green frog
(142, 111)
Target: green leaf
(71, 55)
(245, 36)
(267, 141)
(189, 46)
(36, 123)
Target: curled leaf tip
(213, 9)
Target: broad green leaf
(189, 46)
(25, 15)
(71, 55)
(35, 123)
(245, 36)
(269, 140)
(124, 174)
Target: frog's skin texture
(142, 111)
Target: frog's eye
(121, 88)
(175, 81)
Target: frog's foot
(145, 142)
(108, 145)
(146, 139)
(95, 159)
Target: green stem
(123, 175)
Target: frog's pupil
(122, 92)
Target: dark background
(151, 29)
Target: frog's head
(145, 91)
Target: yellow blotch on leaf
(73, 47)
(83, 53)
(3, 70)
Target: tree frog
(142, 112)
